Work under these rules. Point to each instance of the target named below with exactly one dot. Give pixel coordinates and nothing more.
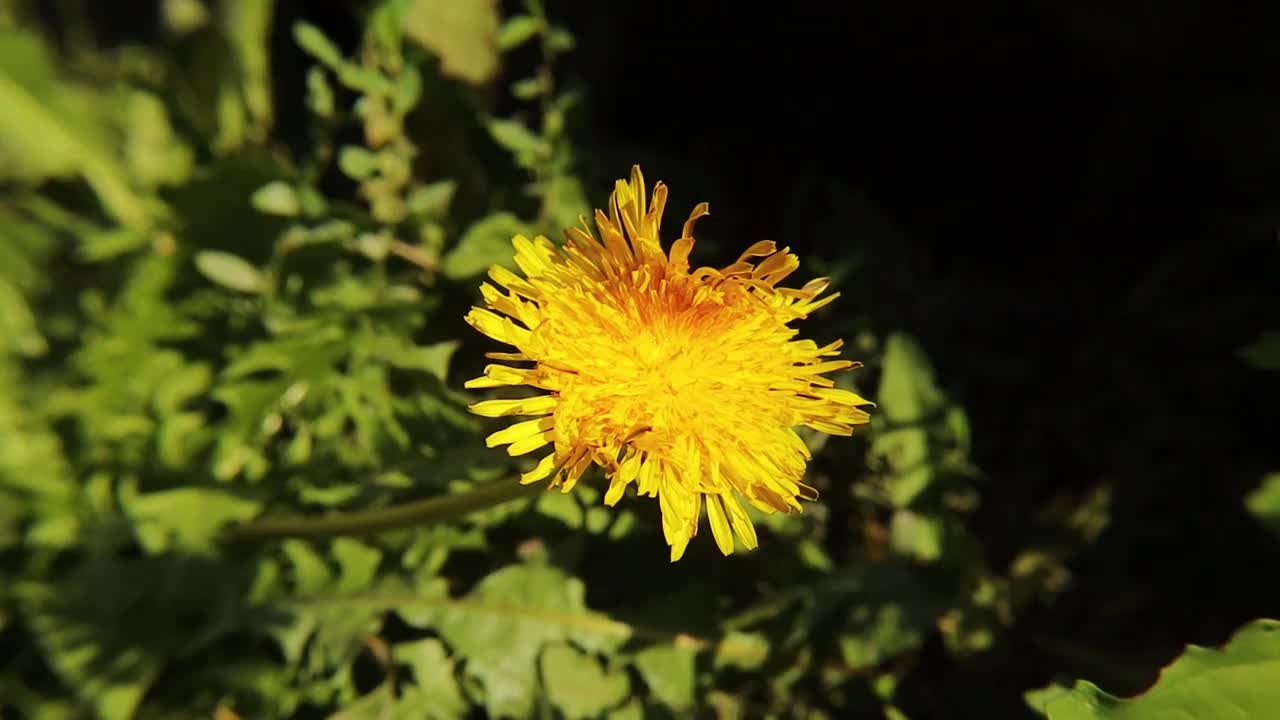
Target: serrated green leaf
(310, 572)
(230, 271)
(187, 519)
(486, 243)
(379, 704)
(435, 689)
(668, 671)
(357, 563)
(578, 685)
(1238, 680)
(501, 627)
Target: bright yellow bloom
(688, 383)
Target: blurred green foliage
(201, 325)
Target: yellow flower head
(688, 383)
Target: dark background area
(1073, 208)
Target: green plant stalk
(421, 512)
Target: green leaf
(247, 28)
(186, 518)
(319, 93)
(917, 431)
(433, 359)
(53, 128)
(435, 687)
(577, 684)
(153, 150)
(527, 146)
(432, 201)
(919, 536)
(560, 40)
(356, 162)
(485, 243)
(379, 704)
(668, 670)
(462, 33)
(746, 651)
(517, 30)
(108, 624)
(357, 562)
(501, 627)
(185, 16)
(908, 392)
(316, 44)
(230, 271)
(1263, 353)
(18, 331)
(1264, 503)
(1238, 680)
(528, 88)
(277, 198)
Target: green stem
(396, 517)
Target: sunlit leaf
(501, 627)
(517, 30)
(1264, 503)
(277, 198)
(186, 518)
(578, 685)
(668, 671)
(1236, 680)
(51, 128)
(434, 689)
(487, 242)
(462, 33)
(230, 271)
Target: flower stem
(420, 512)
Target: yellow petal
(544, 468)
(540, 405)
(627, 472)
(742, 525)
(531, 443)
(497, 327)
(719, 524)
(498, 376)
(520, 431)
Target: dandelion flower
(688, 383)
